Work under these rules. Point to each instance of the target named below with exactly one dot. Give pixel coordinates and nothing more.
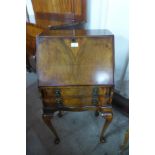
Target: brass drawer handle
(95, 96)
(58, 99)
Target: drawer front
(76, 101)
(75, 91)
(76, 96)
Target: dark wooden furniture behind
(32, 31)
(52, 14)
(76, 72)
(59, 12)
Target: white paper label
(74, 45)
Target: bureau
(75, 71)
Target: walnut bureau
(75, 71)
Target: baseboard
(121, 103)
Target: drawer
(75, 91)
(75, 101)
(75, 96)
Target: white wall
(113, 15)
(30, 11)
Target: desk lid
(75, 60)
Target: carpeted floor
(78, 131)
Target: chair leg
(47, 120)
(28, 65)
(108, 120)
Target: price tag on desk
(75, 44)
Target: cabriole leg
(108, 119)
(47, 120)
(126, 141)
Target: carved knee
(46, 118)
(107, 116)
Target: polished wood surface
(76, 96)
(59, 12)
(91, 63)
(108, 119)
(31, 32)
(76, 33)
(52, 14)
(76, 72)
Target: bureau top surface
(75, 33)
(84, 61)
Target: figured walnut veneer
(76, 72)
(89, 64)
(59, 12)
(76, 96)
